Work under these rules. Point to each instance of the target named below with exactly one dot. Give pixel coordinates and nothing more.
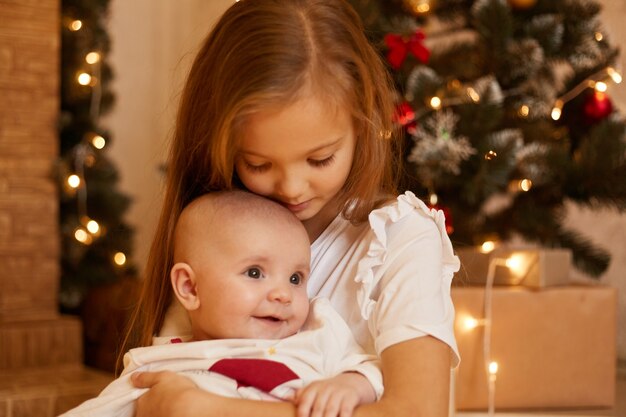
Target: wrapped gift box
(556, 348)
(534, 268)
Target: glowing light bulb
(98, 142)
(473, 94)
(524, 111)
(75, 25)
(487, 246)
(493, 368)
(433, 199)
(82, 236)
(435, 103)
(470, 323)
(599, 36)
(84, 78)
(490, 155)
(517, 263)
(93, 227)
(525, 185)
(73, 181)
(119, 258)
(615, 76)
(600, 86)
(557, 110)
(92, 57)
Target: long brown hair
(261, 53)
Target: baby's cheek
(303, 308)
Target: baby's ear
(184, 285)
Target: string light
(83, 78)
(98, 142)
(493, 371)
(75, 25)
(81, 235)
(557, 110)
(85, 156)
(525, 185)
(594, 81)
(469, 323)
(92, 57)
(73, 181)
(435, 103)
(493, 368)
(487, 246)
(615, 76)
(93, 227)
(600, 86)
(119, 258)
(599, 36)
(490, 155)
(524, 111)
(433, 199)
(473, 95)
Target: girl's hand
(169, 394)
(334, 397)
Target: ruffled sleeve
(404, 280)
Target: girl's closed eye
(319, 163)
(256, 168)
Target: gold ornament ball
(522, 4)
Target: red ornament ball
(597, 107)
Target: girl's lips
(297, 207)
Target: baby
(241, 264)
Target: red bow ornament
(399, 47)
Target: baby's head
(240, 267)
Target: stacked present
(550, 344)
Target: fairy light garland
(517, 265)
(596, 81)
(88, 229)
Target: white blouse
(389, 278)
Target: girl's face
(299, 156)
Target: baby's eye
(295, 279)
(254, 273)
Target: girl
(287, 99)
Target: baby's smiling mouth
(269, 318)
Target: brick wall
(41, 372)
(29, 85)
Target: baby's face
(252, 281)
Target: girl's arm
(416, 376)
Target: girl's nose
(290, 187)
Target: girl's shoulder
(407, 215)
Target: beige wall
(153, 45)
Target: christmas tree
(506, 114)
(95, 240)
